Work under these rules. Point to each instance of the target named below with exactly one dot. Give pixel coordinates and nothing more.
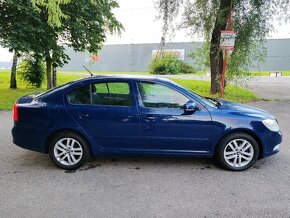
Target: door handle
(83, 116)
(150, 118)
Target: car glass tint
(111, 93)
(80, 96)
(52, 90)
(159, 96)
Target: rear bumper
(29, 138)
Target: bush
(169, 65)
(32, 70)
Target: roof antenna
(88, 70)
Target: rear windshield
(53, 90)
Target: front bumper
(271, 143)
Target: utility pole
(225, 55)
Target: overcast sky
(139, 19)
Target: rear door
(107, 112)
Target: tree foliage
(54, 12)
(32, 69)
(252, 19)
(24, 29)
(169, 64)
(19, 30)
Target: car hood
(243, 110)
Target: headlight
(271, 124)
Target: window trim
(74, 90)
(140, 101)
(91, 100)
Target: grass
(232, 93)
(266, 73)
(9, 96)
(255, 73)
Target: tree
(15, 31)
(13, 82)
(54, 12)
(84, 28)
(32, 69)
(207, 18)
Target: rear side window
(111, 93)
(80, 96)
(113, 87)
(105, 93)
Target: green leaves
(47, 27)
(54, 12)
(32, 70)
(169, 65)
(252, 19)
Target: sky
(141, 26)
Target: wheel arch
(249, 132)
(51, 136)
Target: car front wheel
(68, 151)
(237, 152)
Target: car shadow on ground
(31, 160)
(137, 162)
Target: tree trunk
(48, 70)
(54, 76)
(216, 54)
(13, 83)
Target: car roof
(125, 76)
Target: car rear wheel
(237, 152)
(68, 150)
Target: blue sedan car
(110, 115)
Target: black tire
(224, 145)
(79, 144)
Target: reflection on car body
(105, 115)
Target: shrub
(169, 65)
(32, 70)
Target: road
(268, 88)
(273, 88)
(30, 185)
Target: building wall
(278, 57)
(136, 57)
(123, 58)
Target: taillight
(15, 112)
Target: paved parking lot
(30, 185)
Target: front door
(165, 127)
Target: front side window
(154, 95)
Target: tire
(237, 152)
(68, 150)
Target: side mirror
(190, 107)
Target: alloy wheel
(68, 151)
(238, 153)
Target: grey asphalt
(268, 88)
(271, 88)
(31, 186)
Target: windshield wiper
(215, 101)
